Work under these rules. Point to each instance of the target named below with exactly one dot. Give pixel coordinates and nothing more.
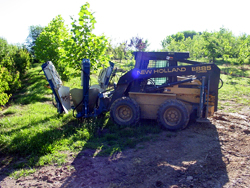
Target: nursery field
(40, 148)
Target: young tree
(22, 61)
(221, 44)
(9, 76)
(227, 44)
(84, 43)
(49, 46)
(138, 44)
(244, 49)
(178, 37)
(34, 32)
(211, 45)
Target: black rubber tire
(173, 115)
(125, 111)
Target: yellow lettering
(148, 71)
(169, 70)
(156, 71)
(209, 68)
(161, 71)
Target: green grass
(235, 93)
(239, 71)
(22, 172)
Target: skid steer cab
(164, 86)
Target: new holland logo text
(161, 71)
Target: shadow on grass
(112, 138)
(187, 158)
(32, 147)
(39, 149)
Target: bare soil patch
(215, 155)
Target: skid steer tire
(173, 115)
(125, 111)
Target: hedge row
(14, 61)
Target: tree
(5, 78)
(34, 32)
(22, 61)
(220, 44)
(190, 34)
(244, 49)
(138, 44)
(121, 51)
(9, 76)
(210, 45)
(49, 46)
(178, 37)
(227, 44)
(84, 43)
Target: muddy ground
(215, 155)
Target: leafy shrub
(14, 61)
(22, 61)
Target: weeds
(23, 172)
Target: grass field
(33, 131)
(234, 96)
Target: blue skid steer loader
(164, 86)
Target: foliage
(34, 32)
(220, 44)
(121, 52)
(210, 46)
(244, 49)
(5, 78)
(178, 37)
(22, 61)
(9, 76)
(124, 50)
(67, 49)
(138, 44)
(190, 34)
(14, 62)
(84, 44)
(49, 46)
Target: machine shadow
(186, 158)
